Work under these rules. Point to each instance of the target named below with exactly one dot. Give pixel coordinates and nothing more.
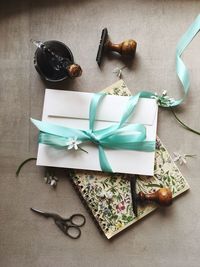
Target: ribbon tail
(58, 130)
(105, 166)
(52, 140)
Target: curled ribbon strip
(164, 100)
(181, 69)
(117, 136)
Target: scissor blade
(38, 211)
(46, 214)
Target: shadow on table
(16, 7)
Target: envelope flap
(69, 104)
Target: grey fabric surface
(165, 238)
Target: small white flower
(109, 195)
(181, 158)
(73, 143)
(164, 93)
(118, 71)
(53, 183)
(51, 180)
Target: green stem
(183, 124)
(82, 149)
(190, 156)
(22, 164)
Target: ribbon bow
(117, 136)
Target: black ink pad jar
(54, 61)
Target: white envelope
(71, 109)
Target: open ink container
(46, 64)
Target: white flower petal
(109, 195)
(116, 70)
(176, 158)
(53, 182)
(184, 160)
(75, 146)
(70, 147)
(101, 194)
(119, 73)
(176, 154)
(164, 93)
(69, 141)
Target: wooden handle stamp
(126, 48)
(163, 197)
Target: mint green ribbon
(181, 69)
(117, 136)
(164, 100)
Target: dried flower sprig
(163, 100)
(118, 71)
(51, 179)
(181, 158)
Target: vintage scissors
(70, 226)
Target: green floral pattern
(114, 213)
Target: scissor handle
(77, 219)
(72, 231)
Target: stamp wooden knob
(126, 48)
(163, 196)
(74, 70)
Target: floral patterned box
(108, 196)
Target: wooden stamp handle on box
(163, 197)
